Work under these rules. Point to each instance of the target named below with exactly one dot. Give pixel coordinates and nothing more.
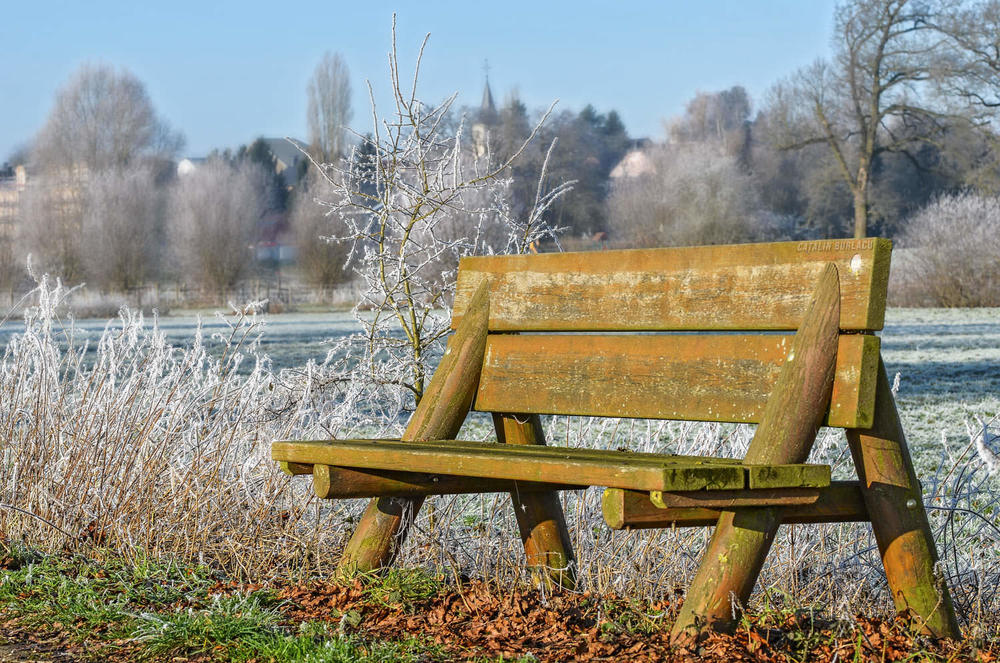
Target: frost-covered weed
(146, 448)
(410, 201)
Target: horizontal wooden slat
(589, 452)
(628, 509)
(502, 461)
(701, 377)
(352, 482)
(736, 287)
(570, 467)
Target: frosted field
(289, 340)
(949, 366)
(948, 361)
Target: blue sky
(225, 72)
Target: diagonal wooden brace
(439, 415)
(792, 417)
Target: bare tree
(975, 31)
(103, 118)
(329, 110)
(697, 194)
(411, 200)
(122, 228)
(717, 117)
(876, 95)
(214, 212)
(12, 265)
(51, 225)
(322, 260)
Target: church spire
(487, 116)
(488, 106)
(487, 109)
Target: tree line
(901, 115)
(106, 204)
(852, 145)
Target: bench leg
(382, 526)
(539, 515)
(788, 427)
(892, 494)
(439, 416)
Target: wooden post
(439, 415)
(539, 515)
(788, 427)
(891, 492)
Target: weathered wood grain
(792, 417)
(725, 499)
(280, 449)
(703, 377)
(354, 482)
(439, 414)
(741, 287)
(295, 469)
(540, 519)
(761, 477)
(539, 450)
(840, 502)
(510, 462)
(892, 494)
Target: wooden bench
(680, 333)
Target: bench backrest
(561, 363)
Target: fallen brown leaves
(19, 643)
(477, 620)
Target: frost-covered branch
(412, 198)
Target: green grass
(242, 628)
(86, 597)
(623, 616)
(164, 611)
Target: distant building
(63, 190)
(188, 165)
(275, 244)
(13, 181)
(289, 155)
(485, 120)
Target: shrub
(950, 254)
(696, 195)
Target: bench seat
(553, 465)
